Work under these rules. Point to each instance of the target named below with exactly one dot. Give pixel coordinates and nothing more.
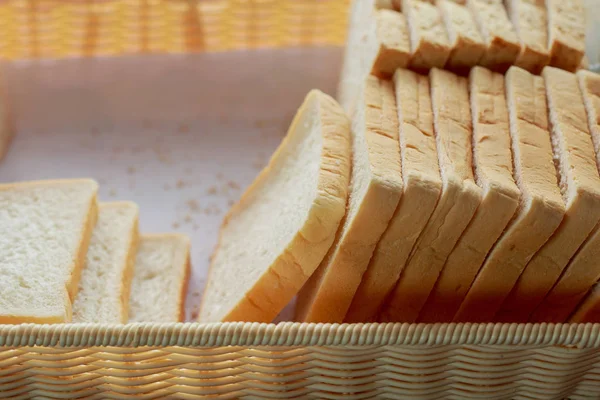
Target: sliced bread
(583, 270)
(160, 278)
(566, 33)
(275, 237)
(375, 189)
(541, 207)
(503, 46)
(377, 44)
(588, 311)
(459, 199)
(494, 174)
(105, 282)
(429, 43)
(580, 187)
(422, 188)
(465, 40)
(530, 19)
(45, 228)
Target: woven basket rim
(298, 334)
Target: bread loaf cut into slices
(377, 44)
(465, 40)
(275, 237)
(105, 282)
(429, 43)
(422, 188)
(583, 270)
(160, 278)
(494, 174)
(588, 311)
(459, 199)
(580, 187)
(566, 33)
(541, 207)
(503, 46)
(375, 189)
(45, 228)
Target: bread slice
(465, 40)
(429, 43)
(422, 188)
(275, 237)
(541, 207)
(580, 187)
(530, 19)
(588, 311)
(566, 33)
(494, 174)
(105, 283)
(503, 46)
(45, 228)
(160, 278)
(459, 199)
(377, 44)
(375, 189)
(583, 270)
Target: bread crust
(566, 28)
(588, 310)
(129, 270)
(284, 278)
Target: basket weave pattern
(74, 28)
(445, 361)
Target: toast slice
(494, 174)
(580, 187)
(459, 199)
(283, 226)
(541, 207)
(422, 188)
(588, 311)
(375, 189)
(566, 33)
(429, 43)
(503, 46)
(105, 283)
(583, 270)
(46, 228)
(465, 40)
(160, 278)
(530, 19)
(377, 44)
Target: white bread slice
(273, 240)
(429, 43)
(160, 278)
(45, 228)
(494, 174)
(375, 189)
(588, 311)
(580, 187)
(377, 44)
(583, 270)
(459, 199)
(530, 19)
(503, 46)
(465, 40)
(566, 33)
(541, 208)
(105, 282)
(422, 188)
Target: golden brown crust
(292, 268)
(129, 271)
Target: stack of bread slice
(68, 258)
(459, 34)
(468, 199)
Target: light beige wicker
(289, 360)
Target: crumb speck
(175, 225)
(195, 315)
(212, 190)
(233, 185)
(193, 205)
(131, 170)
(187, 219)
(180, 184)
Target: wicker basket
(193, 361)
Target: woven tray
(124, 119)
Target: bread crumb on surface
(187, 219)
(233, 185)
(193, 205)
(175, 225)
(212, 190)
(180, 184)
(131, 170)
